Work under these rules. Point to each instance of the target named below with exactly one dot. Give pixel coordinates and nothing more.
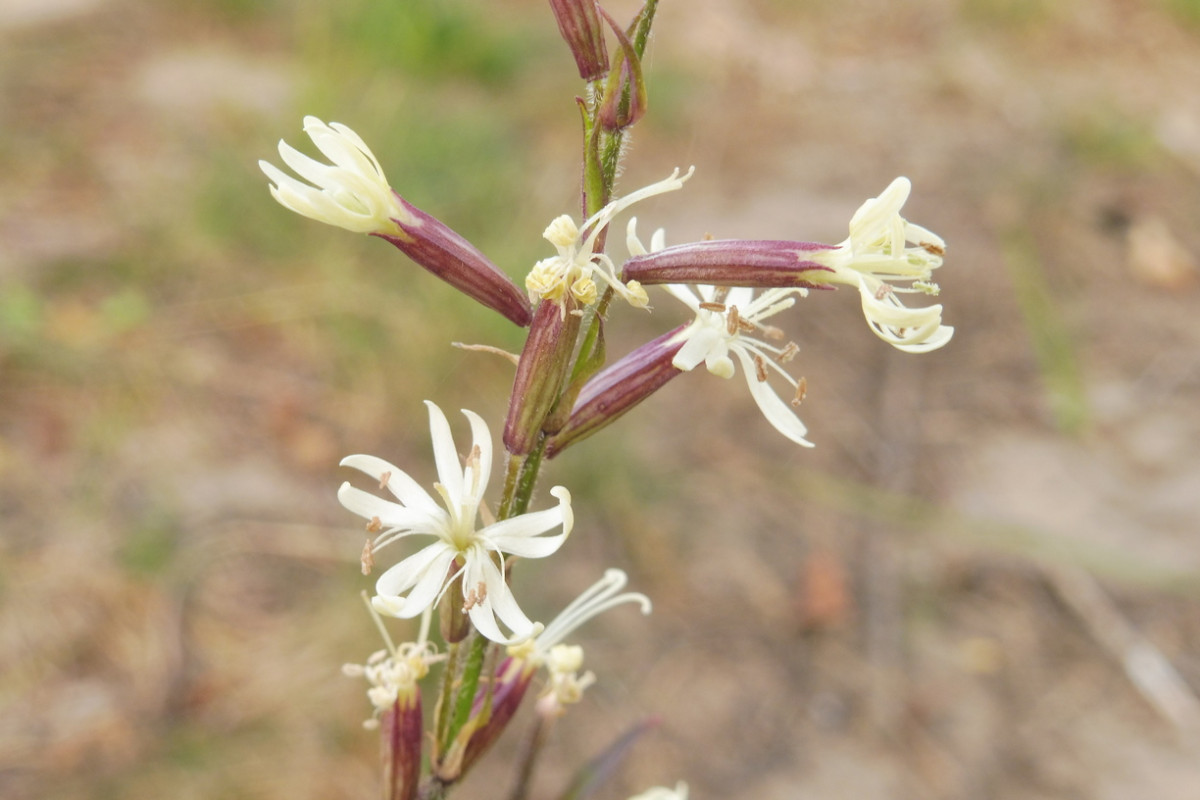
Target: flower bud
(580, 26)
(625, 98)
(732, 262)
(400, 736)
(619, 388)
(540, 373)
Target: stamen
(760, 368)
(788, 352)
(368, 557)
(475, 597)
(473, 458)
(933, 249)
(384, 478)
(801, 392)
(375, 525)
(883, 291)
(733, 322)
(720, 308)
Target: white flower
(461, 549)
(680, 792)
(576, 267)
(730, 321)
(877, 256)
(563, 661)
(596, 599)
(351, 193)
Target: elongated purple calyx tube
(429, 242)
(757, 263)
(541, 373)
(400, 729)
(618, 388)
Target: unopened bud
(400, 735)
(625, 91)
(580, 26)
(541, 373)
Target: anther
(801, 392)
(720, 308)
(883, 291)
(788, 352)
(375, 525)
(384, 478)
(934, 249)
(368, 557)
(733, 322)
(475, 597)
(760, 368)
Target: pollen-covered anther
(733, 322)
(933, 248)
(883, 291)
(368, 557)
(789, 351)
(475, 597)
(375, 525)
(801, 392)
(760, 368)
(720, 308)
(384, 478)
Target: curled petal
(406, 490)
(521, 536)
(777, 411)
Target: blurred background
(983, 582)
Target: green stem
(529, 476)
(469, 684)
(511, 474)
(442, 720)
